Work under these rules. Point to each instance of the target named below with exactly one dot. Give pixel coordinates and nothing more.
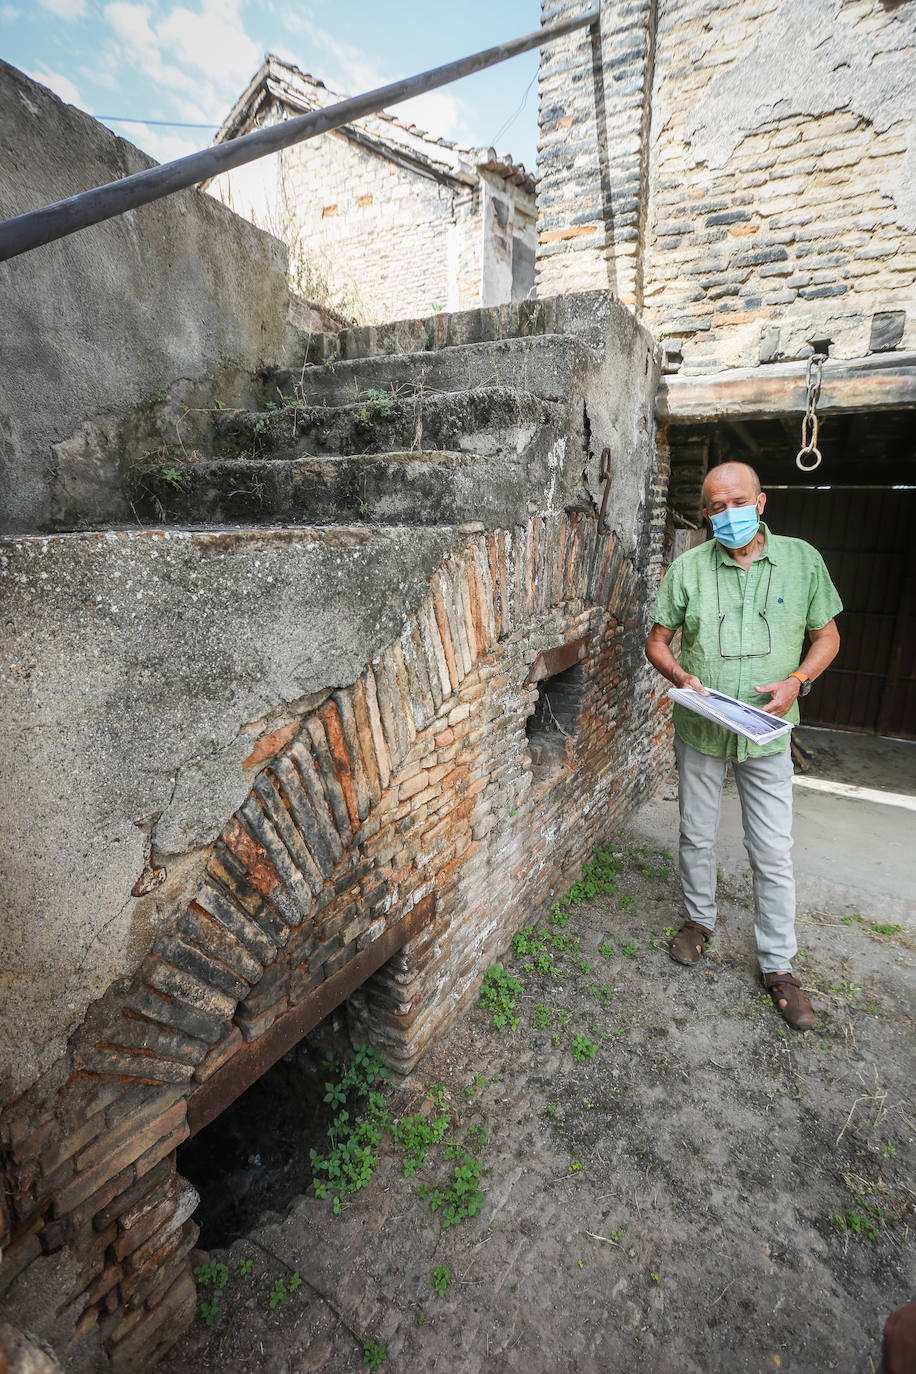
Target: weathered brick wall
(369, 236)
(416, 782)
(592, 150)
(378, 238)
(744, 174)
(381, 231)
(782, 139)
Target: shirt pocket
(787, 616)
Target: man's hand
(695, 683)
(783, 695)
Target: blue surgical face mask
(736, 526)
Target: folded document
(735, 715)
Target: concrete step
(551, 366)
(578, 314)
(427, 488)
(485, 420)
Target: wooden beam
(886, 381)
(217, 1092)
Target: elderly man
(743, 602)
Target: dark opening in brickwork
(254, 1158)
(552, 727)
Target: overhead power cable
(171, 123)
(512, 118)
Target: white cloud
(349, 68)
(202, 58)
(9, 14)
(60, 85)
(65, 9)
(438, 112)
(163, 145)
(101, 76)
(140, 44)
(213, 41)
(351, 71)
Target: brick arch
(383, 801)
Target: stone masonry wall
(594, 92)
(782, 207)
(415, 782)
(376, 238)
(380, 232)
(742, 173)
(296, 769)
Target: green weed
(462, 1198)
(374, 1354)
(209, 1309)
(415, 1134)
(215, 1275)
(440, 1279)
(499, 991)
(855, 1222)
(582, 1049)
(532, 945)
(597, 879)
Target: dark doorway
(868, 541)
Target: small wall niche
(552, 727)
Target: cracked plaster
(129, 666)
(807, 59)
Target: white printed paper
(735, 715)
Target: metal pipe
(30, 230)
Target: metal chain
(809, 448)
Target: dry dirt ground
(704, 1192)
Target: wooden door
(867, 537)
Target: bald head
(730, 484)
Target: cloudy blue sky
(188, 62)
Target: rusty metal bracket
(221, 1089)
(605, 477)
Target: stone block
(886, 330)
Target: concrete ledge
(884, 382)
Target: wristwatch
(804, 680)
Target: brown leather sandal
(798, 1011)
(688, 944)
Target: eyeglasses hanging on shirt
(756, 653)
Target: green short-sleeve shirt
(741, 629)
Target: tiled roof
(288, 84)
